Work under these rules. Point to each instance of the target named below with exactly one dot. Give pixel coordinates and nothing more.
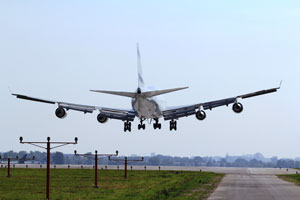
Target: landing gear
(156, 124)
(141, 125)
(127, 126)
(173, 125)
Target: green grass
(78, 184)
(294, 178)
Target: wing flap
(261, 92)
(213, 104)
(77, 107)
(124, 115)
(179, 112)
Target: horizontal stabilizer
(159, 92)
(124, 94)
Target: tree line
(161, 160)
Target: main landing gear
(127, 126)
(173, 125)
(141, 125)
(156, 124)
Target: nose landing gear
(173, 125)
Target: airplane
(146, 107)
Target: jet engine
(200, 115)
(60, 113)
(102, 119)
(237, 107)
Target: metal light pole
(13, 159)
(125, 161)
(48, 148)
(96, 156)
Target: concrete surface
(255, 184)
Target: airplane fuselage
(146, 108)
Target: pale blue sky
(60, 49)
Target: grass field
(78, 184)
(294, 178)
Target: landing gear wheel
(156, 124)
(127, 126)
(173, 125)
(141, 125)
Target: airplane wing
(184, 111)
(110, 113)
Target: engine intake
(60, 113)
(237, 107)
(200, 115)
(102, 119)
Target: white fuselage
(146, 108)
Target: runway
(238, 183)
(256, 184)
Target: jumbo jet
(146, 107)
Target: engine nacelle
(200, 115)
(237, 107)
(60, 113)
(102, 119)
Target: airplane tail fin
(139, 65)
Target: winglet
(280, 84)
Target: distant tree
(274, 159)
(58, 158)
(153, 161)
(240, 162)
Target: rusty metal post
(48, 170)
(96, 169)
(96, 157)
(125, 160)
(8, 168)
(9, 163)
(48, 148)
(125, 167)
